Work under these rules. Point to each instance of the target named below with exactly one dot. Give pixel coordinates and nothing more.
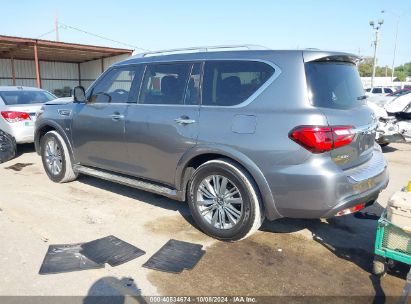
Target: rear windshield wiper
(362, 97)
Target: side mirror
(79, 94)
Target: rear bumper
(319, 188)
(23, 132)
(367, 197)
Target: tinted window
(228, 83)
(26, 97)
(334, 84)
(165, 83)
(368, 90)
(377, 90)
(388, 90)
(115, 86)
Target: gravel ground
(286, 257)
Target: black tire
(251, 216)
(66, 174)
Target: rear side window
(229, 83)
(25, 97)
(166, 83)
(334, 84)
(377, 90)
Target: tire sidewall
(55, 178)
(247, 218)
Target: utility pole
(398, 16)
(56, 24)
(376, 28)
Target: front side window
(23, 97)
(115, 86)
(228, 83)
(388, 91)
(166, 84)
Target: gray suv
(240, 135)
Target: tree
(365, 69)
(403, 71)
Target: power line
(65, 26)
(49, 32)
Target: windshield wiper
(362, 97)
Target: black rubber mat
(110, 250)
(175, 256)
(66, 258)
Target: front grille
(396, 239)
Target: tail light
(354, 209)
(318, 139)
(12, 116)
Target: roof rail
(202, 49)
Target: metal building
(54, 66)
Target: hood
(60, 101)
(398, 104)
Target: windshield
(334, 85)
(23, 97)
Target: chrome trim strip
(367, 129)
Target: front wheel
(224, 200)
(56, 158)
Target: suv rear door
(336, 89)
(163, 124)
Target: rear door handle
(184, 120)
(116, 116)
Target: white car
(394, 120)
(18, 107)
(381, 91)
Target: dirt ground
(286, 257)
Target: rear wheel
(56, 158)
(224, 200)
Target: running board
(129, 181)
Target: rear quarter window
(334, 85)
(229, 83)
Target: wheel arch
(203, 153)
(47, 127)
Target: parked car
(18, 107)
(382, 91)
(394, 120)
(240, 135)
(401, 92)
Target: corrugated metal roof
(23, 48)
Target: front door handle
(116, 116)
(184, 120)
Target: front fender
(50, 124)
(265, 191)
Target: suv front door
(164, 123)
(98, 125)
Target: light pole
(396, 38)
(376, 27)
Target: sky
(278, 24)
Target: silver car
(240, 135)
(18, 107)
